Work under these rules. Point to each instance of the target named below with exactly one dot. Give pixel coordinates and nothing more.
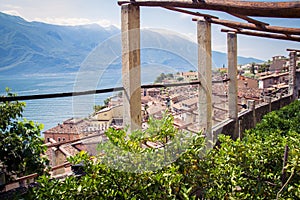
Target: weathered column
(131, 69)
(205, 77)
(233, 84)
(251, 106)
(292, 74)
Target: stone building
(278, 63)
(272, 79)
(67, 131)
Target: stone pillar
(292, 74)
(268, 100)
(233, 84)
(251, 106)
(205, 77)
(131, 69)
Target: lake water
(50, 112)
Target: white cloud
(73, 21)
(104, 23)
(63, 21)
(12, 12)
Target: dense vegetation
(20, 142)
(248, 168)
(162, 77)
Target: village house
(69, 130)
(188, 76)
(152, 92)
(245, 82)
(272, 79)
(110, 116)
(115, 101)
(278, 63)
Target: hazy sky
(107, 12)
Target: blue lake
(50, 112)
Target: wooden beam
(282, 9)
(66, 164)
(190, 12)
(271, 29)
(266, 35)
(250, 20)
(26, 177)
(297, 50)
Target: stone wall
(249, 118)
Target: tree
(160, 78)
(264, 67)
(21, 147)
(97, 108)
(180, 79)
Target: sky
(107, 12)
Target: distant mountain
(35, 47)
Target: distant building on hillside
(278, 63)
(188, 76)
(272, 79)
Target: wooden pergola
(245, 10)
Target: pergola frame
(241, 9)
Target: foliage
(249, 75)
(264, 68)
(97, 108)
(180, 79)
(116, 175)
(160, 78)
(222, 71)
(248, 168)
(252, 167)
(20, 142)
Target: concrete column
(269, 102)
(292, 74)
(205, 77)
(233, 84)
(131, 69)
(251, 106)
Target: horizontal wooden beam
(240, 25)
(66, 164)
(250, 20)
(266, 35)
(26, 177)
(190, 12)
(89, 92)
(284, 9)
(297, 50)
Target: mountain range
(40, 48)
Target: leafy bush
(248, 168)
(20, 142)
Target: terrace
(235, 123)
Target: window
(63, 139)
(58, 139)
(48, 139)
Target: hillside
(34, 47)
